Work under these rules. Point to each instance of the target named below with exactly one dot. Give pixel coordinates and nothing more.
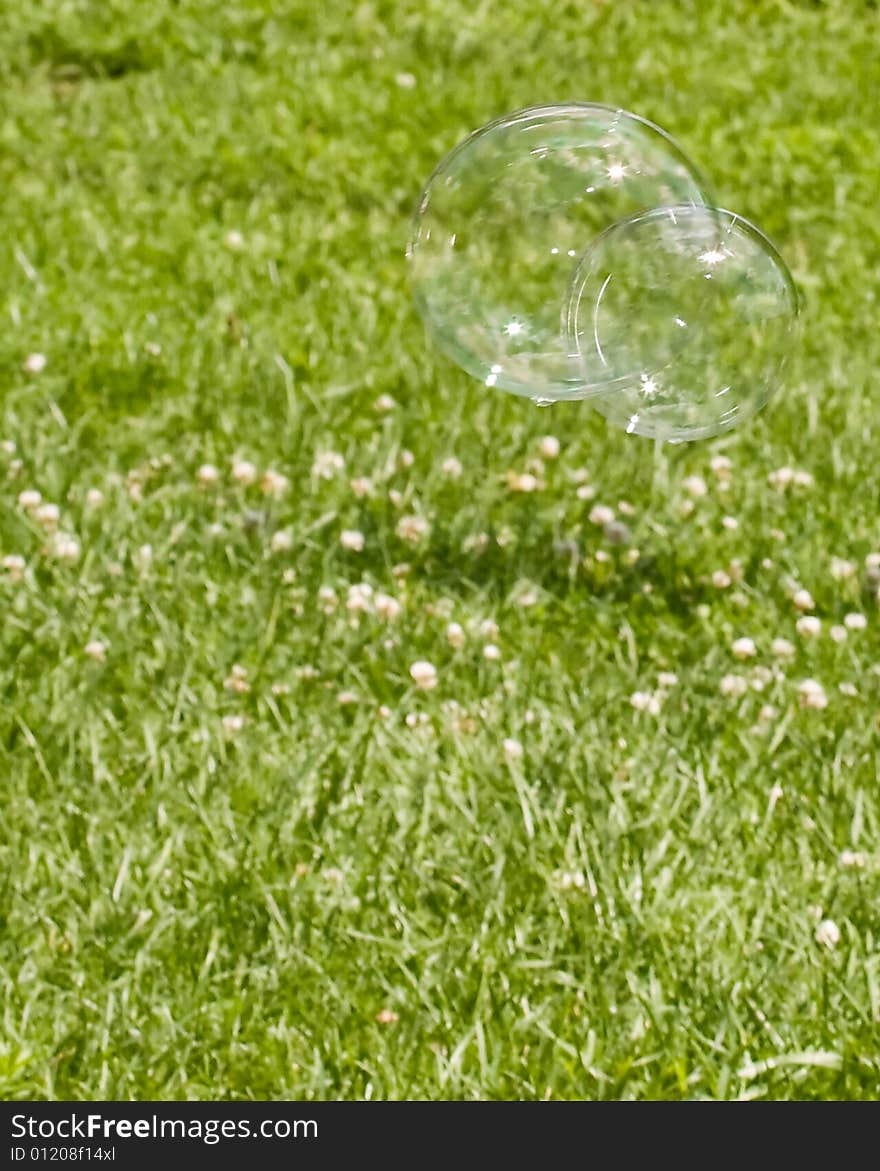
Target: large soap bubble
(505, 220)
(570, 252)
(698, 305)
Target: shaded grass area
(514, 884)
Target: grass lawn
(243, 852)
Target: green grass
(627, 909)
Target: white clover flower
(455, 635)
(522, 482)
(855, 621)
(847, 689)
(384, 712)
(451, 467)
(475, 543)
(513, 750)
(346, 698)
(721, 466)
(733, 685)
(361, 486)
(828, 934)
(282, 541)
(387, 1016)
(29, 499)
(244, 472)
(360, 598)
(730, 522)
(803, 600)
(14, 564)
(7, 446)
(667, 679)
(274, 483)
(48, 516)
(237, 681)
(405, 81)
(94, 498)
(280, 689)
(782, 648)
(744, 648)
(812, 694)
(695, 486)
(384, 403)
(207, 475)
(645, 701)
(491, 652)
(809, 626)
(837, 633)
(601, 515)
(424, 675)
(720, 579)
(353, 540)
(781, 478)
(96, 650)
(549, 446)
(489, 629)
(804, 479)
(406, 459)
(143, 557)
(767, 713)
(234, 240)
(232, 724)
(412, 529)
(527, 598)
(852, 859)
(872, 561)
(387, 607)
(65, 547)
(327, 599)
(585, 492)
(35, 363)
(625, 508)
(841, 569)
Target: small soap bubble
(710, 268)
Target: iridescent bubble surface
(506, 220)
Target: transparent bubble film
(698, 305)
(504, 221)
(571, 252)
